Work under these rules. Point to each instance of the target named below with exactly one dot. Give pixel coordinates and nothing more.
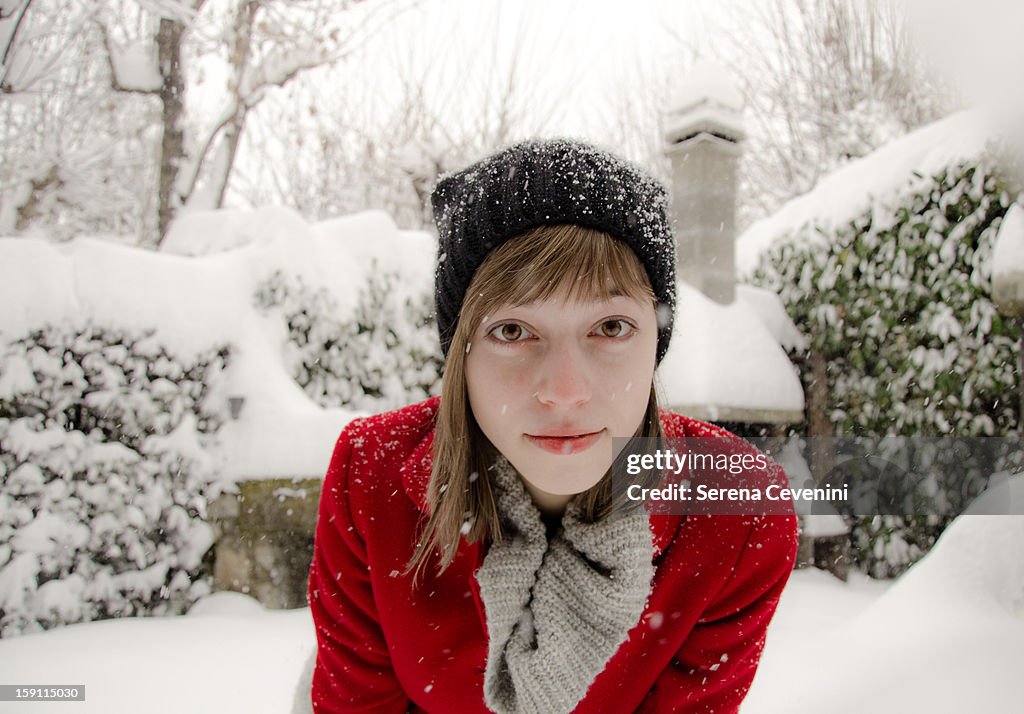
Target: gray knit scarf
(557, 610)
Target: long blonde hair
(586, 264)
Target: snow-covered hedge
(385, 355)
(898, 302)
(105, 476)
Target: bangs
(581, 263)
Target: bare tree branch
(824, 82)
(9, 44)
(275, 71)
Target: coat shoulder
(388, 431)
(676, 425)
(390, 452)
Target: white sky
(588, 44)
(581, 61)
(572, 51)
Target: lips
(565, 444)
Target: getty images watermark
(849, 476)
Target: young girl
(469, 554)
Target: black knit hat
(547, 183)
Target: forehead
(563, 301)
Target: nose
(564, 379)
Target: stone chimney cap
(705, 101)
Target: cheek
(491, 386)
(490, 374)
(626, 384)
(629, 388)
(634, 366)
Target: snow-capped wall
(724, 363)
(199, 292)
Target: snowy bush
(105, 476)
(898, 303)
(384, 355)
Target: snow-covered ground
(228, 655)
(946, 637)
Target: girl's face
(550, 383)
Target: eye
(615, 329)
(509, 332)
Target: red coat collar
(415, 470)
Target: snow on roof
(768, 306)
(205, 298)
(889, 171)
(705, 123)
(723, 362)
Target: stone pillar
(264, 539)
(704, 128)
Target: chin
(565, 479)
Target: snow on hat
(549, 182)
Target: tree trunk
(240, 57)
(1020, 376)
(819, 428)
(172, 147)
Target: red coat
(384, 647)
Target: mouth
(567, 443)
